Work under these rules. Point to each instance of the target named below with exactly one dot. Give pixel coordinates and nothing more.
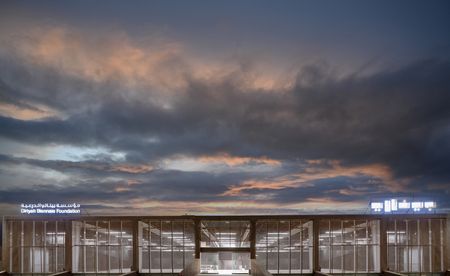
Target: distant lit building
(294, 244)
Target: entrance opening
(225, 262)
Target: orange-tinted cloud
(101, 58)
(34, 112)
(276, 184)
(237, 160)
(122, 168)
(334, 168)
(317, 171)
(126, 186)
(121, 189)
(158, 62)
(127, 168)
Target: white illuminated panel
(429, 204)
(394, 205)
(416, 206)
(404, 205)
(376, 206)
(387, 206)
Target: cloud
(26, 113)
(89, 165)
(330, 181)
(237, 160)
(277, 184)
(307, 135)
(98, 58)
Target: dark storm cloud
(153, 103)
(399, 117)
(96, 167)
(96, 180)
(391, 117)
(162, 185)
(46, 131)
(22, 82)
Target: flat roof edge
(228, 217)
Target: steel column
(135, 266)
(197, 235)
(68, 245)
(5, 246)
(316, 266)
(383, 245)
(252, 239)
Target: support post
(5, 246)
(447, 244)
(316, 265)
(135, 266)
(252, 239)
(197, 235)
(68, 245)
(383, 244)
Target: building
(284, 244)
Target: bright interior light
(387, 206)
(376, 205)
(394, 205)
(404, 205)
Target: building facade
(337, 244)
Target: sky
(224, 107)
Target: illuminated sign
(401, 206)
(50, 208)
(404, 205)
(376, 206)
(387, 206)
(394, 205)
